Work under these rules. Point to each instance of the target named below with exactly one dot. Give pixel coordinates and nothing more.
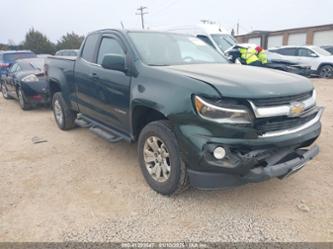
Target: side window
(18, 69)
(89, 47)
(287, 51)
(304, 52)
(13, 68)
(109, 46)
(206, 40)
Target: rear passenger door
(86, 87)
(288, 54)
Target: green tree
(3, 46)
(70, 41)
(38, 43)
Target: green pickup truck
(197, 119)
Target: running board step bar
(100, 130)
(106, 135)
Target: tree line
(40, 44)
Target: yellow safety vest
(249, 55)
(263, 57)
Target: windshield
(321, 51)
(33, 64)
(224, 42)
(163, 49)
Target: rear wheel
(4, 91)
(22, 100)
(160, 159)
(326, 71)
(64, 116)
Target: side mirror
(313, 55)
(114, 62)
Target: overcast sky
(56, 17)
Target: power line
(142, 13)
(166, 7)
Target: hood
(22, 74)
(239, 81)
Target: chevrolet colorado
(197, 119)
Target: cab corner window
(89, 48)
(109, 46)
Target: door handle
(94, 75)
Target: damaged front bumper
(280, 165)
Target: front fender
(167, 92)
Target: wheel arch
(325, 64)
(143, 115)
(54, 86)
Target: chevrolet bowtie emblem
(296, 109)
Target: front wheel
(22, 100)
(326, 71)
(64, 116)
(4, 91)
(160, 159)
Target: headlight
(30, 78)
(219, 114)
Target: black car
(26, 81)
(328, 48)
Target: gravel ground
(77, 187)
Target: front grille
(281, 100)
(282, 123)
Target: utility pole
(238, 27)
(142, 13)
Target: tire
(64, 116)
(171, 178)
(4, 91)
(23, 100)
(326, 71)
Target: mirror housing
(313, 55)
(115, 62)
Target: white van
(212, 34)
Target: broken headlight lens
(30, 78)
(221, 114)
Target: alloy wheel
(157, 159)
(326, 72)
(21, 99)
(58, 112)
(4, 90)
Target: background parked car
(43, 55)
(328, 48)
(7, 58)
(67, 52)
(320, 60)
(26, 81)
